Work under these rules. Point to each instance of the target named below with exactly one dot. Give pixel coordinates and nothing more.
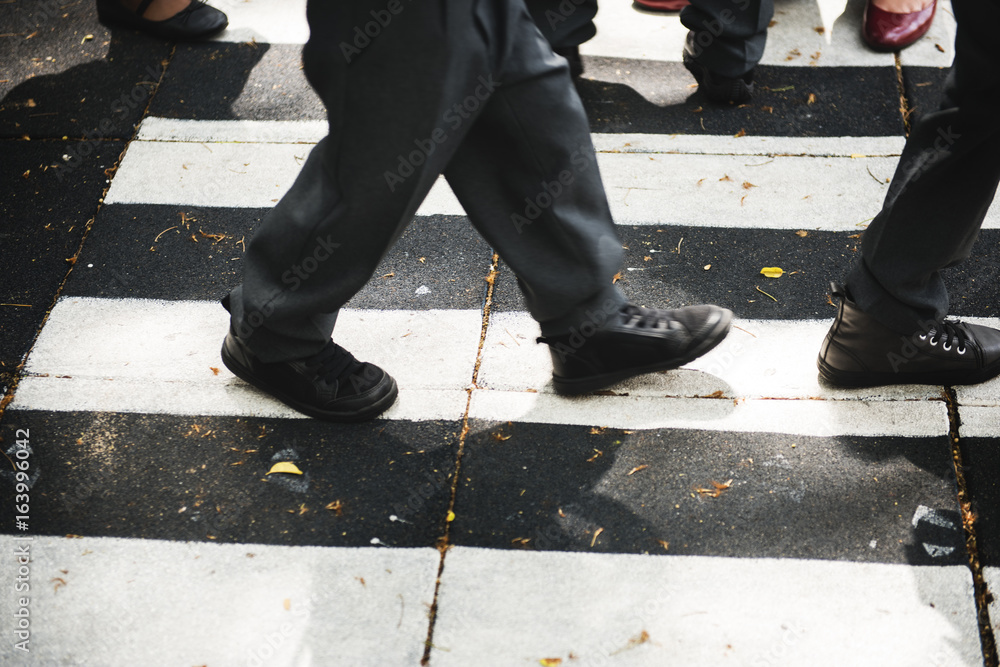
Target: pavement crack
(443, 543)
(904, 105)
(981, 593)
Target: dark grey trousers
(943, 186)
(413, 89)
(730, 34)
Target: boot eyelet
(934, 342)
(923, 336)
(946, 347)
(961, 350)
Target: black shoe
(633, 341)
(572, 54)
(330, 385)
(861, 352)
(196, 21)
(717, 88)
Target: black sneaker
(330, 385)
(861, 352)
(717, 88)
(633, 341)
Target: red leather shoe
(889, 31)
(662, 5)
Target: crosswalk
(735, 509)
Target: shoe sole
(369, 412)
(593, 383)
(855, 380)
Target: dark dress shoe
(861, 352)
(717, 88)
(631, 342)
(889, 31)
(196, 21)
(330, 385)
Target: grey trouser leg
(729, 34)
(402, 105)
(565, 23)
(943, 186)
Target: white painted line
(264, 21)
(831, 193)
(156, 128)
(773, 359)
(112, 601)
(796, 417)
(159, 356)
(598, 609)
(748, 145)
(979, 421)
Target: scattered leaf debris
(664, 544)
(716, 489)
(337, 507)
(636, 469)
(597, 454)
(802, 233)
(597, 533)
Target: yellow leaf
(550, 662)
(285, 466)
(450, 517)
(772, 271)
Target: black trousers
(730, 34)
(413, 89)
(943, 186)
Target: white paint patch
(159, 356)
(157, 603)
(699, 610)
(774, 359)
(746, 191)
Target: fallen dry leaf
(617, 277)
(811, 99)
(215, 371)
(664, 544)
(741, 133)
(550, 662)
(802, 233)
(286, 467)
(747, 185)
(336, 506)
(596, 534)
(772, 271)
(637, 469)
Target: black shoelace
(645, 318)
(332, 362)
(950, 334)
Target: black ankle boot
(859, 351)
